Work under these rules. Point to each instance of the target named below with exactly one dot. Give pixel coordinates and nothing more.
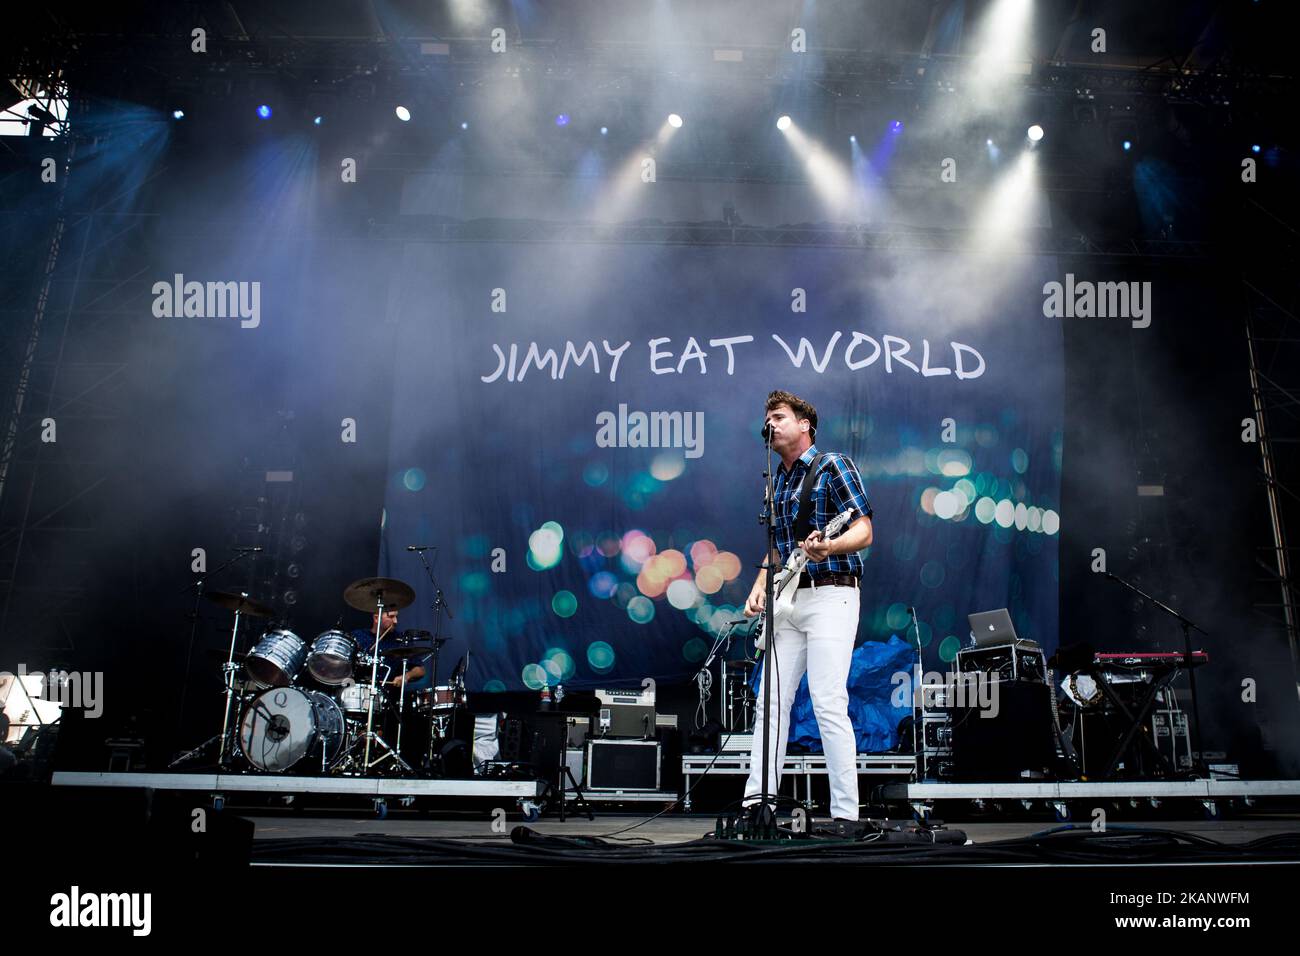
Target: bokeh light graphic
(948, 649)
(558, 663)
(603, 584)
(600, 657)
(545, 546)
(641, 609)
(668, 465)
(564, 604)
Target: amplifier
(1017, 660)
(625, 713)
(645, 697)
(577, 728)
(623, 765)
(576, 760)
(938, 733)
(1015, 744)
(581, 727)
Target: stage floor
(682, 829)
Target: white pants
(817, 637)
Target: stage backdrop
(577, 432)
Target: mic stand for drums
(241, 604)
(437, 607)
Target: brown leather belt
(840, 578)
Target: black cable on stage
(721, 746)
(1079, 846)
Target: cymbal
(242, 603)
(402, 651)
(363, 594)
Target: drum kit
(320, 707)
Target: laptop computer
(991, 627)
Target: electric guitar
(786, 581)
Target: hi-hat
(365, 594)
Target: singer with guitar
(816, 630)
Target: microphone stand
(437, 607)
(763, 819)
(918, 710)
(228, 669)
(1198, 762)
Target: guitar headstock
(836, 524)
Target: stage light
(403, 114)
(604, 131)
(318, 120)
(1255, 148)
(178, 114)
(853, 138)
(562, 119)
(674, 121)
(896, 126)
(1035, 133)
(464, 125)
(1128, 144)
(783, 123)
(264, 112)
(988, 142)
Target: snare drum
(330, 658)
(276, 660)
(355, 699)
(430, 700)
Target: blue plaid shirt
(838, 488)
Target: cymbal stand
(228, 669)
(371, 736)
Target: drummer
(366, 640)
(415, 732)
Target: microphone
(427, 547)
(767, 432)
(246, 550)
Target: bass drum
(285, 726)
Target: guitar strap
(803, 521)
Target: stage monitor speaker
(1014, 743)
(623, 765)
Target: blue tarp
(871, 686)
